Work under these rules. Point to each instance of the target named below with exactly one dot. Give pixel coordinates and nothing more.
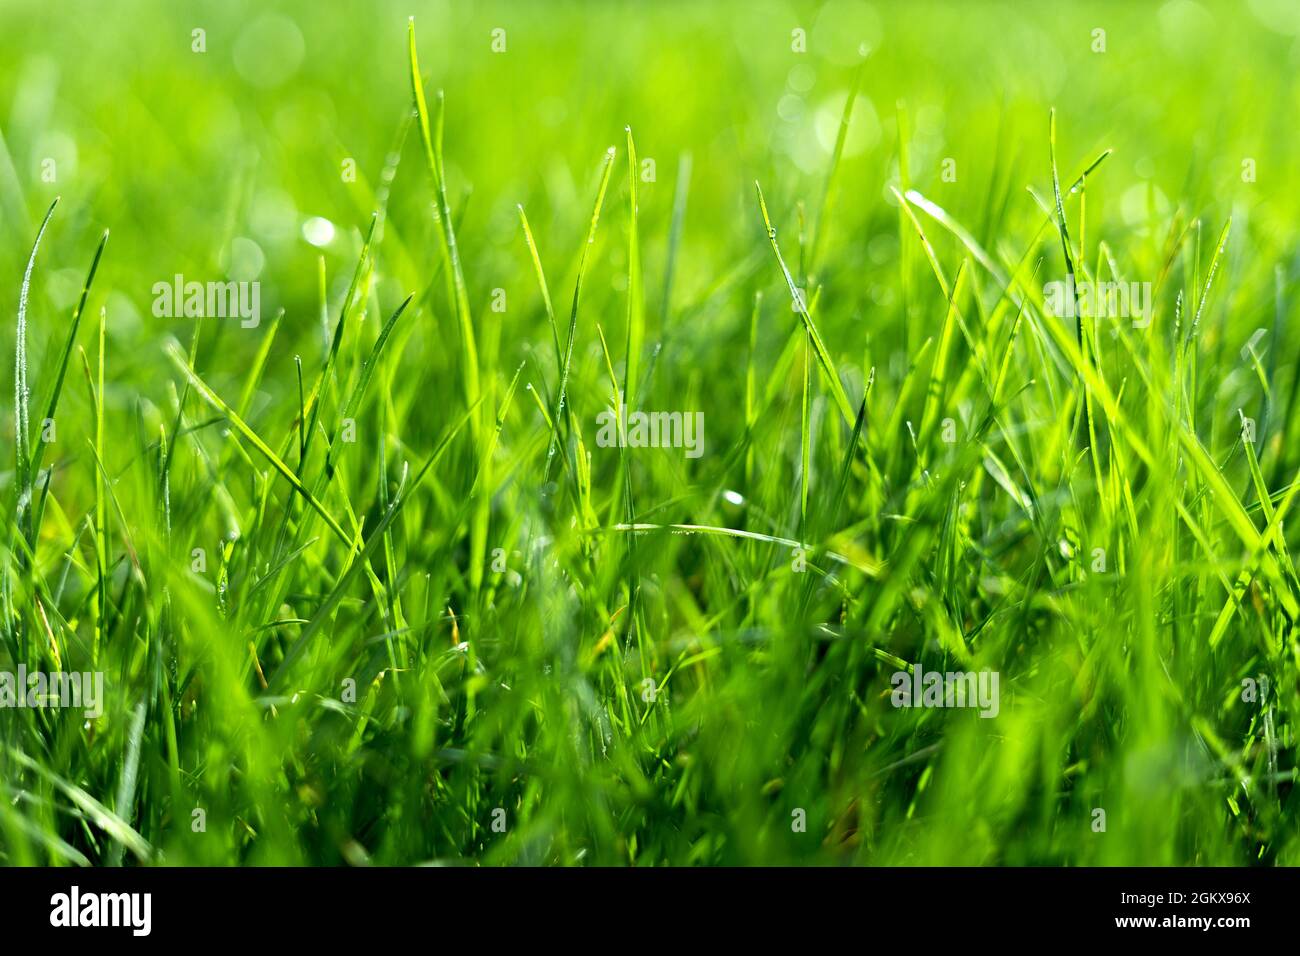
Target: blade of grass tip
(22, 447)
(259, 365)
(1069, 265)
(542, 285)
(828, 195)
(457, 292)
(53, 404)
(459, 296)
(178, 359)
(635, 304)
(573, 311)
(1209, 278)
(1007, 352)
(635, 337)
(906, 211)
(302, 416)
(931, 406)
(631, 368)
(375, 540)
(613, 381)
(324, 304)
(828, 367)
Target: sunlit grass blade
(798, 296)
(22, 395)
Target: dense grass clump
(977, 324)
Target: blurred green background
(182, 154)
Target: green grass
(365, 587)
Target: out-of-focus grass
(505, 716)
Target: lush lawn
(368, 581)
